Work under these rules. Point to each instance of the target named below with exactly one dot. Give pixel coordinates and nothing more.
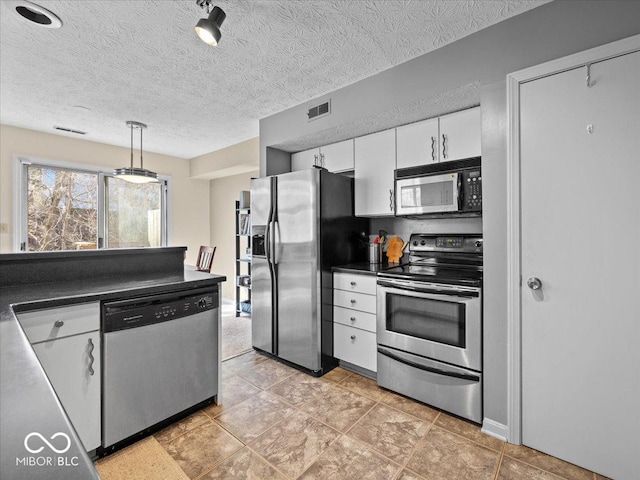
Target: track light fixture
(208, 29)
(133, 174)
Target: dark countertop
(27, 401)
(364, 268)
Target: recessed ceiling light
(37, 14)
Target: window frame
(20, 193)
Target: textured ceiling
(141, 60)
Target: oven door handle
(452, 292)
(438, 371)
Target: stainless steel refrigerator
(302, 225)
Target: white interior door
(580, 231)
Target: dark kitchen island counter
(28, 403)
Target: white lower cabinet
(66, 341)
(73, 367)
(355, 346)
(354, 320)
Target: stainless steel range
(430, 324)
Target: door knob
(534, 283)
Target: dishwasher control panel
(138, 312)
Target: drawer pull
(353, 300)
(353, 284)
(58, 324)
(353, 337)
(353, 319)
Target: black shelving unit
(243, 262)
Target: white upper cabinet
(450, 137)
(337, 157)
(417, 143)
(375, 162)
(305, 159)
(460, 135)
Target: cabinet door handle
(433, 148)
(353, 319)
(58, 324)
(91, 359)
(391, 200)
(353, 284)
(322, 160)
(353, 337)
(315, 160)
(444, 146)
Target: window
(65, 207)
(134, 214)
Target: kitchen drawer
(357, 301)
(355, 346)
(355, 318)
(40, 325)
(355, 283)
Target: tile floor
(277, 423)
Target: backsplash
(404, 227)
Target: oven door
(428, 194)
(441, 322)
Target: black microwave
(445, 188)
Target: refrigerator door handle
(268, 232)
(275, 242)
(273, 269)
(267, 250)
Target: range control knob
(415, 243)
(478, 244)
(202, 303)
(423, 242)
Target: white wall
(190, 198)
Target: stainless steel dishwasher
(160, 359)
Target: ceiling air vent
(70, 130)
(319, 110)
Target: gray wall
(474, 68)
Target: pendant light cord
(131, 146)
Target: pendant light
(133, 174)
(208, 29)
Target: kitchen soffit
(142, 59)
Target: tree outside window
(62, 209)
(67, 209)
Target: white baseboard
(495, 429)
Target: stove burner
(455, 260)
